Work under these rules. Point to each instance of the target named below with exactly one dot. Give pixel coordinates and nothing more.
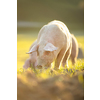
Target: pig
(74, 51)
(54, 43)
(73, 56)
(32, 60)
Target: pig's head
(45, 53)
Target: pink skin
(27, 64)
(32, 60)
(53, 43)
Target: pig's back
(55, 32)
(61, 25)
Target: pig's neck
(44, 42)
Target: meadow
(49, 84)
(37, 84)
(24, 42)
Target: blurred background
(33, 14)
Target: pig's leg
(73, 59)
(59, 58)
(66, 57)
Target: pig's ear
(50, 47)
(33, 49)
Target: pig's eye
(47, 52)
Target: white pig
(32, 60)
(73, 56)
(53, 43)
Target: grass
(24, 41)
(48, 84)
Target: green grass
(47, 73)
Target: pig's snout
(39, 67)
